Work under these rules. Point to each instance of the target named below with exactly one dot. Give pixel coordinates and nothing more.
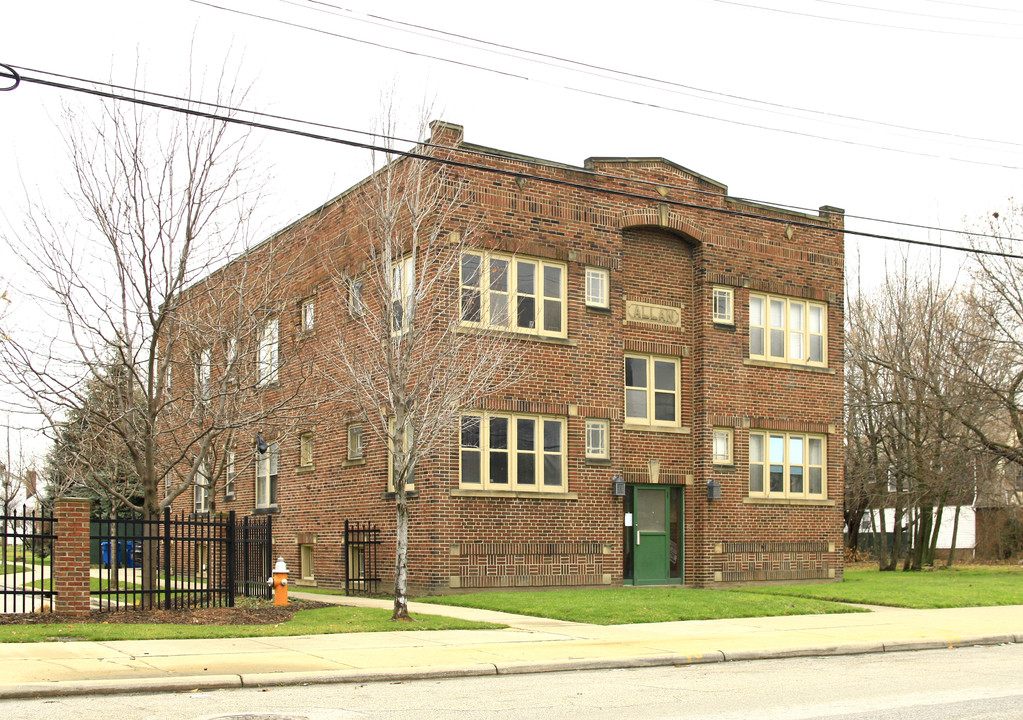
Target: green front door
(650, 535)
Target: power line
(535, 162)
(483, 168)
(865, 22)
(608, 96)
(973, 7)
(918, 14)
(637, 76)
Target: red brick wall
(71, 556)
(657, 253)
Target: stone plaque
(653, 314)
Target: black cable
(614, 97)
(918, 14)
(14, 75)
(864, 22)
(506, 173)
(647, 78)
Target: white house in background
(965, 532)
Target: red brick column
(71, 555)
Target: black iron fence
(27, 556)
(253, 556)
(178, 562)
(362, 541)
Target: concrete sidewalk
(529, 645)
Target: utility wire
(625, 74)
(918, 14)
(497, 171)
(482, 152)
(865, 22)
(973, 7)
(607, 96)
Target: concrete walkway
(529, 645)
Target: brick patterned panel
(494, 565)
(766, 561)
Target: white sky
(959, 79)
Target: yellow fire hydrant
(279, 582)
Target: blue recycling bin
(125, 553)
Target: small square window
(307, 315)
(723, 304)
(597, 439)
(721, 450)
(305, 449)
(355, 441)
(597, 287)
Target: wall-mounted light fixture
(261, 445)
(713, 490)
(618, 486)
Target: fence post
(166, 558)
(269, 545)
(231, 556)
(70, 565)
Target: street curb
(121, 686)
(250, 680)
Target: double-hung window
(201, 496)
(308, 315)
(514, 293)
(355, 441)
(786, 465)
(721, 446)
(266, 477)
(267, 353)
(787, 330)
(403, 288)
(229, 483)
(203, 367)
(523, 453)
(651, 390)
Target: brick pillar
(71, 555)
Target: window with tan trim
(521, 453)
(355, 441)
(598, 282)
(787, 330)
(597, 433)
(403, 290)
(305, 449)
(787, 465)
(721, 446)
(266, 477)
(231, 475)
(652, 390)
(723, 301)
(513, 293)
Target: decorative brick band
(791, 425)
(489, 565)
(524, 406)
(751, 561)
(774, 547)
(656, 348)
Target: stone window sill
(272, 510)
(600, 462)
(390, 495)
(658, 429)
(461, 492)
(510, 335)
(353, 463)
(787, 366)
(810, 502)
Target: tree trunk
(401, 557)
(932, 549)
(955, 532)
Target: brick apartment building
(688, 428)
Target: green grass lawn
(967, 586)
(619, 606)
(94, 584)
(9, 568)
(318, 621)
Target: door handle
(638, 534)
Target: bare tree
(909, 450)
(408, 367)
(140, 360)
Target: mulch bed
(246, 613)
